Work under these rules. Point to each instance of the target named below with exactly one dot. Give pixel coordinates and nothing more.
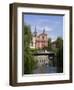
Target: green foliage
(58, 50)
(27, 36)
(29, 62)
(59, 42)
(60, 60)
(49, 44)
(34, 50)
(55, 50)
(49, 47)
(59, 45)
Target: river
(45, 69)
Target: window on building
(42, 37)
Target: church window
(42, 37)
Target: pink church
(39, 40)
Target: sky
(53, 24)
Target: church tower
(43, 31)
(34, 38)
(35, 32)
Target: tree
(59, 46)
(59, 42)
(60, 60)
(49, 44)
(29, 62)
(27, 37)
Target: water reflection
(45, 69)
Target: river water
(45, 69)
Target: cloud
(46, 21)
(48, 29)
(57, 22)
(32, 28)
(53, 37)
(41, 28)
(43, 20)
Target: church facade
(39, 40)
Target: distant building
(39, 40)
